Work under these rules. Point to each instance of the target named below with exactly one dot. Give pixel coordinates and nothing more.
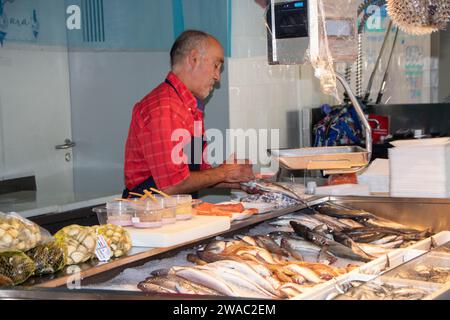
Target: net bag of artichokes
(15, 268)
(78, 242)
(117, 238)
(48, 258)
(19, 234)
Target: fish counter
(322, 248)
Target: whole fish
(174, 284)
(331, 222)
(335, 248)
(216, 246)
(307, 273)
(248, 272)
(269, 244)
(299, 247)
(241, 286)
(205, 278)
(338, 211)
(324, 257)
(247, 239)
(191, 257)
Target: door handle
(68, 144)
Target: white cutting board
(179, 232)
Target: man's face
(208, 69)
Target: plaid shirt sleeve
(158, 147)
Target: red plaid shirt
(148, 150)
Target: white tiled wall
(264, 96)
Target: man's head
(197, 58)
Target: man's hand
(234, 172)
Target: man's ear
(194, 58)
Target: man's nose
(217, 75)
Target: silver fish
(267, 243)
(240, 286)
(248, 272)
(308, 274)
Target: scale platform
(344, 159)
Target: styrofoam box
(327, 289)
(430, 288)
(375, 268)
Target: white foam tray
(377, 267)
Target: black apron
(193, 166)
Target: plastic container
(169, 211)
(116, 212)
(184, 206)
(147, 214)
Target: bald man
(152, 157)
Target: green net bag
(48, 258)
(15, 267)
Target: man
(151, 157)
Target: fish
(160, 272)
(387, 239)
(272, 187)
(335, 248)
(324, 257)
(307, 273)
(293, 252)
(205, 278)
(249, 273)
(247, 239)
(269, 244)
(174, 284)
(338, 211)
(351, 223)
(241, 286)
(331, 222)
(216, 246)
(154, 288)
(300, 246)
(195, 259)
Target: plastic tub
(184, 206)
(147, 214)
(169, 211)
(116, 212)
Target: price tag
(135, 220)
(102, 250)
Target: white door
(34, 118)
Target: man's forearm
(197, 180)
